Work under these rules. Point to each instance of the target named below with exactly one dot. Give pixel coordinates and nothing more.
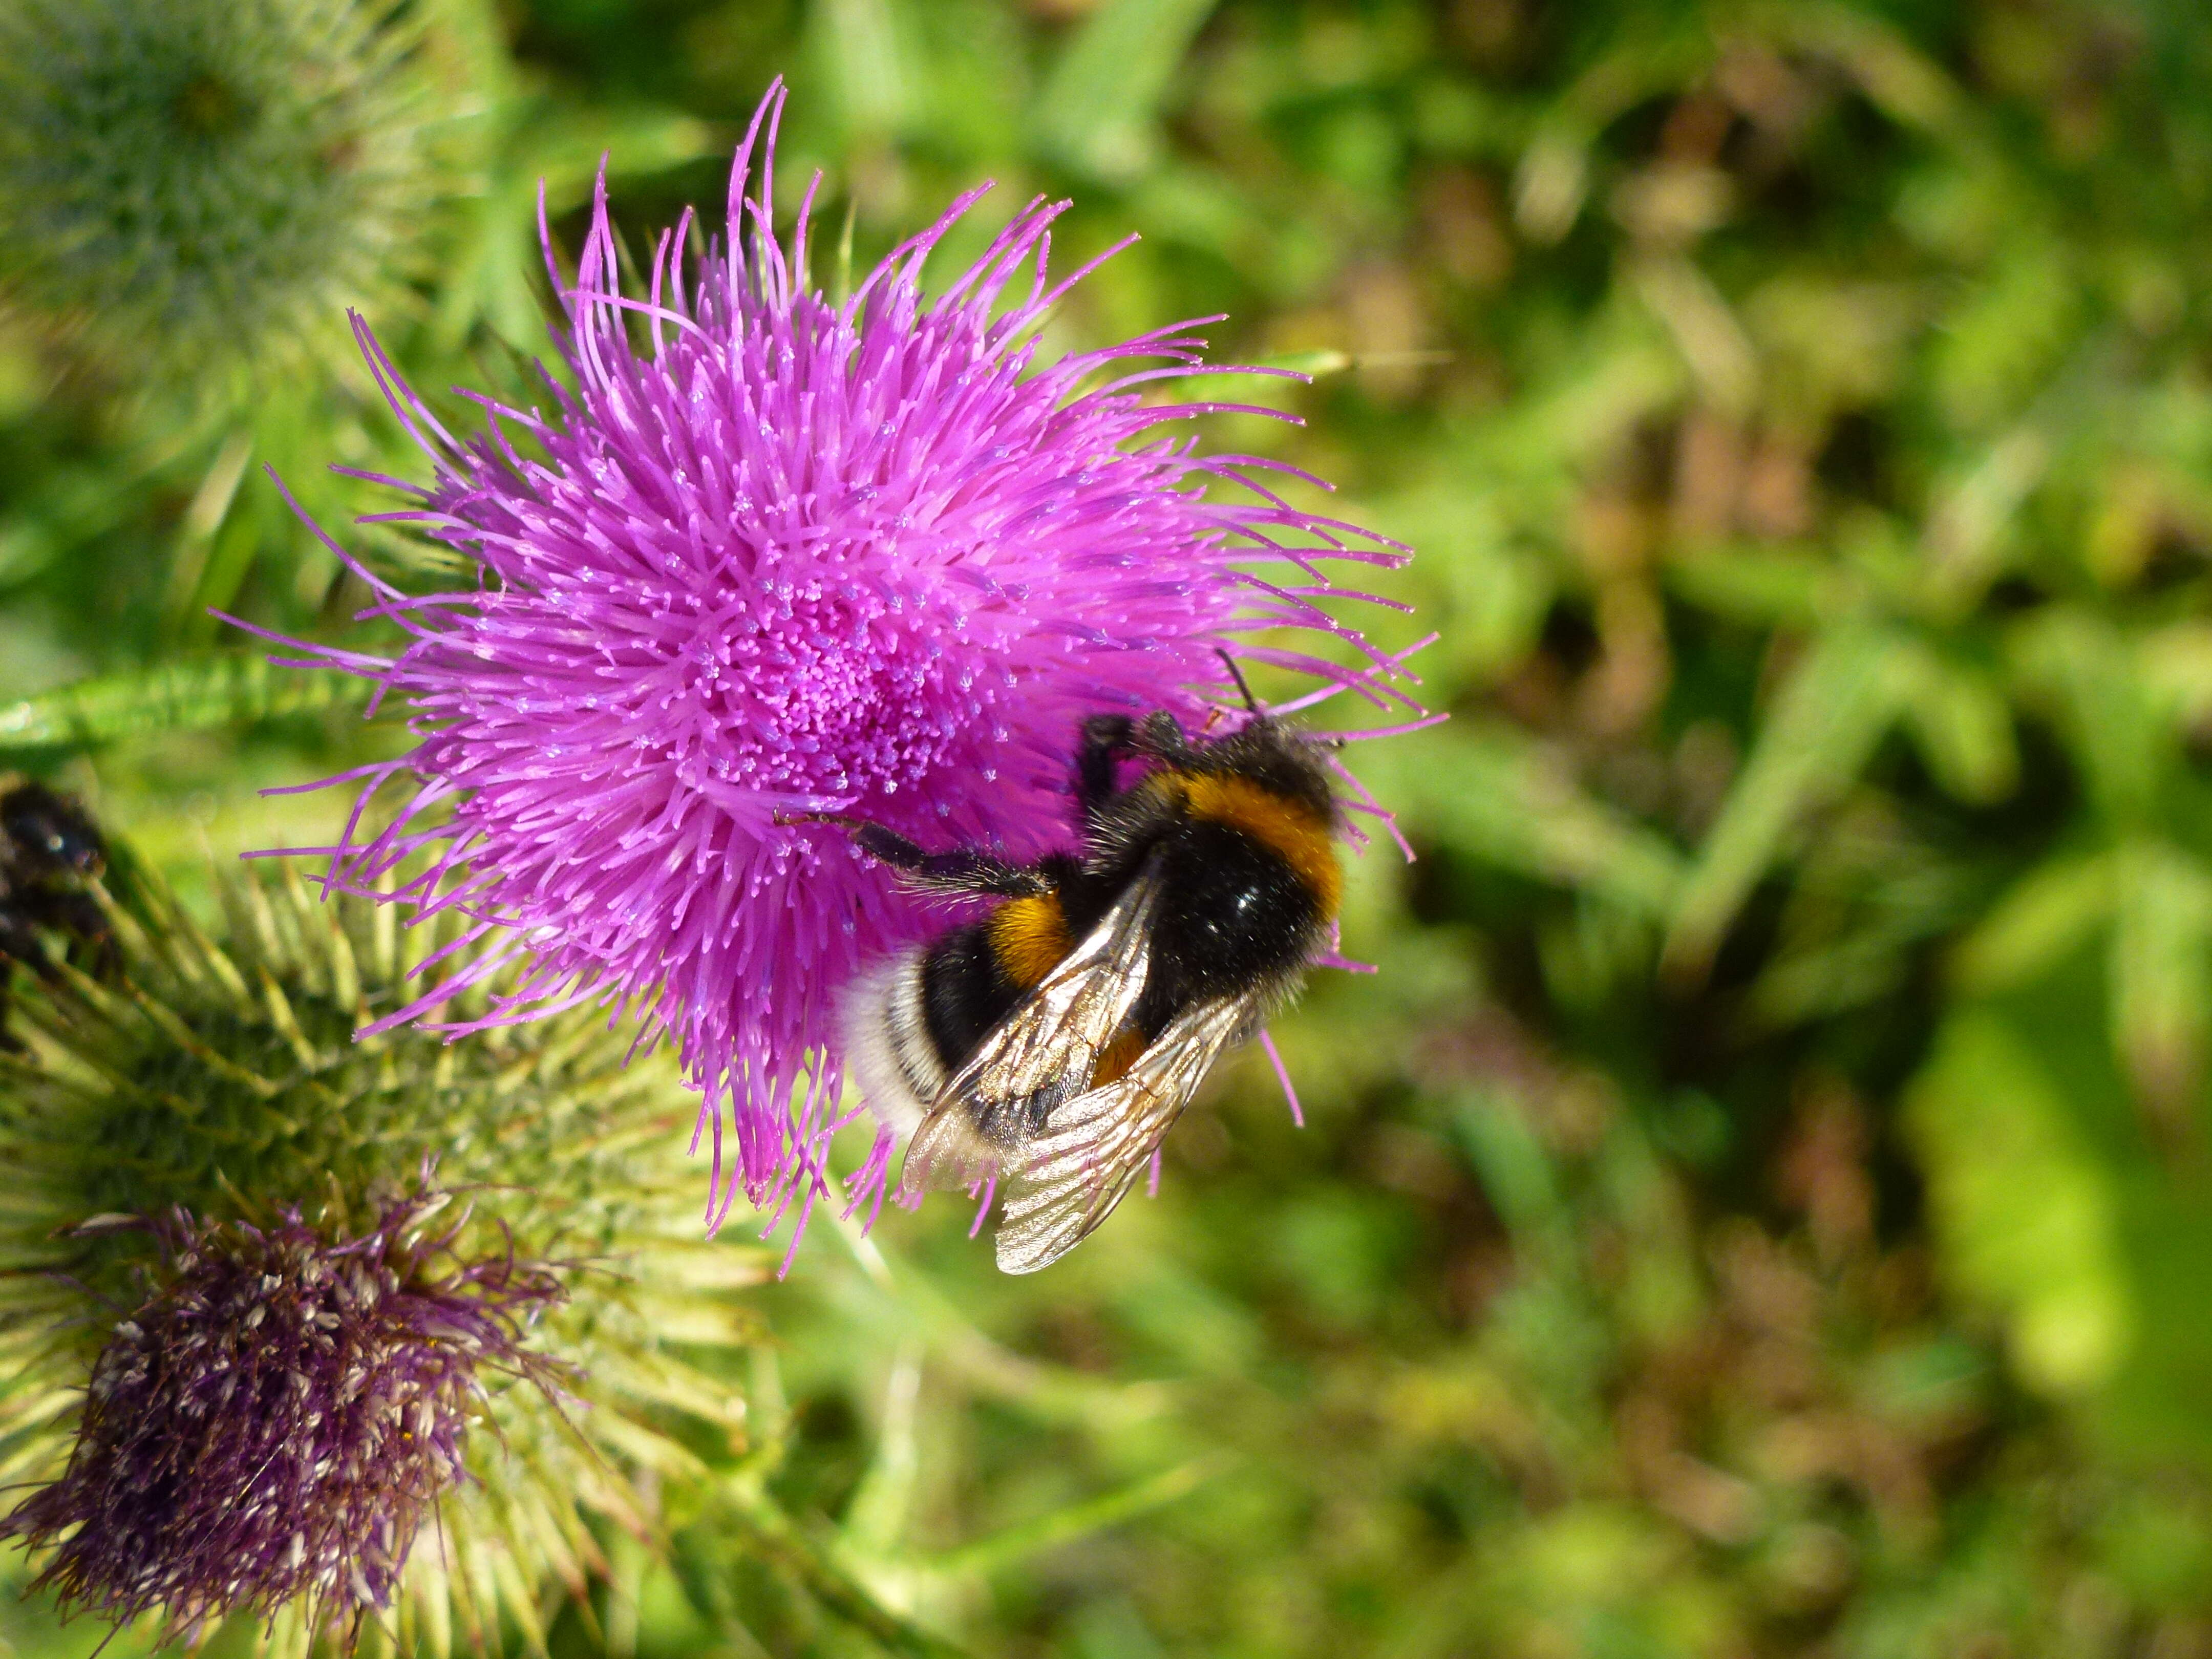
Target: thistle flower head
(199, 182)
(276, 1418)
(211, 1241)
(772, 554)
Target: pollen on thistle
(759, 554)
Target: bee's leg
(1161, 737)
(963, 870)
(1106, 739)
(1110, 737)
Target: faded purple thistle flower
(775, 556)
(277, 1418)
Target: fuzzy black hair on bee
(1049, 1047)
(48, 847)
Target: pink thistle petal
(1283, 1076)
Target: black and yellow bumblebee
(1049, 1047)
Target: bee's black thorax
(1233, 916)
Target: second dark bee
(1050, 1046)
(48, 848)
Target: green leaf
(1655, 52)
(859, 43)
(1847, 692)
(2081, 665)
(190, 695)
(876, 1519)
(2045, 915)
(2177, 667)
(1494, 792)
(1974, 514)
(492, 272)
(2162, 972)
(774, 1536)
(1705, 330)
(1962, 726)
(1516, 1173)
(1097, 107)
(1905, 84)
(1795, 585)
(2025, 1213)
(1018, 1543)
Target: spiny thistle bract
(221, 1079)
(776, 555)
(193, 185)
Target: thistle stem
(771, 1531)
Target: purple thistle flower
(277, 1418)
(775, 556)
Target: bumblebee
(1047, 1047)
(48, 847)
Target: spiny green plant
(212, 1083)
(192, 187)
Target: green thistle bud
(191, 187)
(196, 1130)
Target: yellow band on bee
(1116, 1058)
(1028, 936)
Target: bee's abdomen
(912, 1022)
(965, 991)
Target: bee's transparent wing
(1040, 1055)
(1074, 1173)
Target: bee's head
(50, 836)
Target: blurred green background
(1763, 1205)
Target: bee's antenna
(1237, 675)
